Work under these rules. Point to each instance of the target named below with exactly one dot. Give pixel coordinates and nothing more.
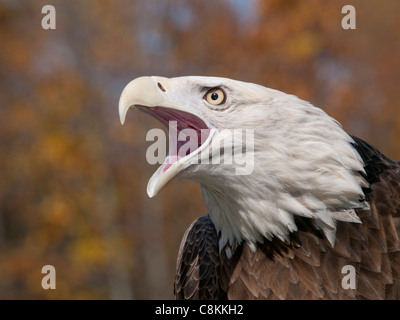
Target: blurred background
(73, 180)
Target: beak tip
(122, 111)
(150, 194)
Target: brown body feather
(308, 267)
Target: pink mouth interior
(183, 120)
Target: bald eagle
(315, 216)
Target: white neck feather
(304, 164)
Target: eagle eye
(215, 96)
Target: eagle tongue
(172, 156)
(177, 139)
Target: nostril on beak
(161, 87)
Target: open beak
(151, 94)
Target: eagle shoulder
(379, 248)
(198, 263)
(308, 267)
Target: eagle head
(261, 156)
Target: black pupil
(214, 96)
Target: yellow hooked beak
(152, 93)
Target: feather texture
(313, 201)
(307, 267)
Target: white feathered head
(264, 156)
